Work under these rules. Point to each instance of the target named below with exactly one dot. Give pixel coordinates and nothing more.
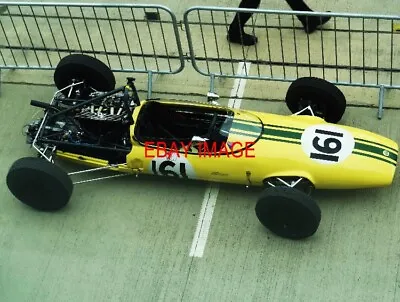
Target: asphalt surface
(129, 239)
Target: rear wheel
(79, 67)
(288, 212)
(39, 184)
(324, 98)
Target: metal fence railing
(353, 50)
(128, 37)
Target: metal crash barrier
(352, 50)
(128, 37)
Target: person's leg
(310, 23)
(236, 32)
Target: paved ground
(129, 239)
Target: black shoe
(311, 23)
(243, 39)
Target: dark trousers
(241, 18)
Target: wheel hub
(318, 108)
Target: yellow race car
(91, 122)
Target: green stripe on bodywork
(282, 133)
(246, 127)
(279, 133)
(244, 133)
(256, 127)
(376, 150)
(377, 144)
(375, 157)
(256, 123)
(276, 139)
(284, 127)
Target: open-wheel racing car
(91, 122)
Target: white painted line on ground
(237, 91)
(212, 190)
(204, 222)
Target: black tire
(327, 100)
(39, 184)
(82, 67)
(288, 212)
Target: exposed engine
(101, 123)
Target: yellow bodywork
(277, 146)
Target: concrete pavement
(128, 239)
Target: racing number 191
(162, 169)
(328, 149)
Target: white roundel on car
(327, 144)
(173, 165)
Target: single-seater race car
(91, 122)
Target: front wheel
(39, 184)
(288, 212)
(324, 98)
